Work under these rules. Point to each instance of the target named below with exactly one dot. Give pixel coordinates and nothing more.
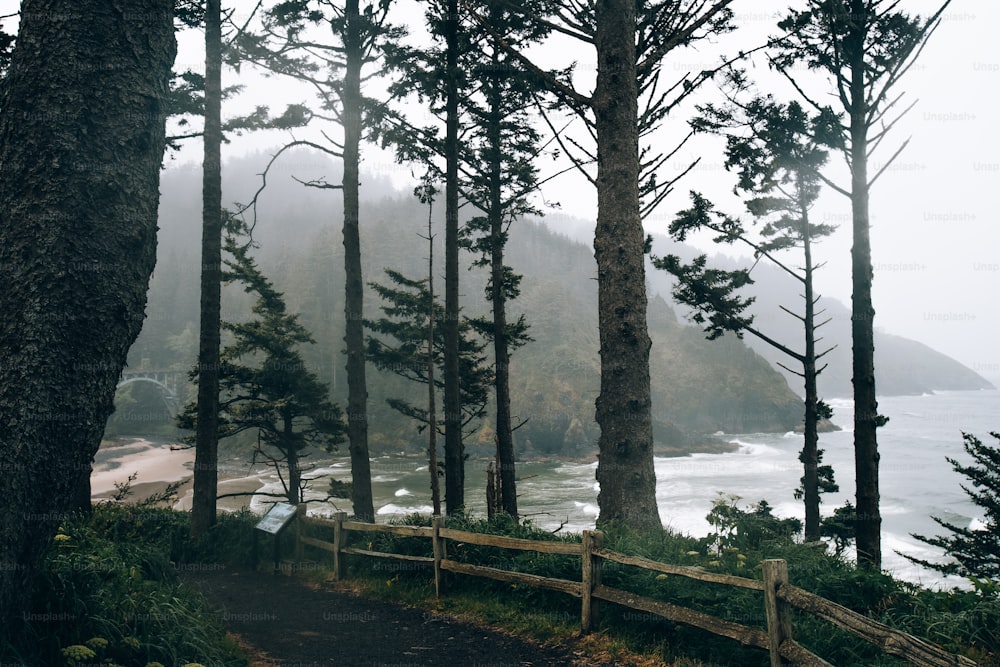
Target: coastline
(160, 462)
(157, 464)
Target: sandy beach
(158, 464)
(155, 464)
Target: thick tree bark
(206, 474)
(454, 454)
(625, 468)
(868, 524)
(81, 143)
(357, 387)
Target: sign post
(275, 521)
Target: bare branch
(887, 164)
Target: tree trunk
(357, 389)
(294, 491)
(501, 346)
(625, 468)
(80, 150)
(810, 446)
(454, 454)
(868, 523)
(206, 474)
(432, 458)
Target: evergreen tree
(206, 458)
(264, 383)
(976, 551)
(400, 346)
(438, 74)
(498, 174)
(863, 47)
(77, 247)
(630, 41)
(774, 149)
(195, 94)
(337, 68)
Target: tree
(438, 75)
(778, 159)
(206, 461)
(630, 41)
(976, 551)
(497, 176)
(864, 47)
(337, 70)
(194, 94)
(265, 385)
(77, 247)
(404, 336)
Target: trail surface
(287, 622)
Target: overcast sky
(934, 232)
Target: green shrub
(108, 587)
(963, 623)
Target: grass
(966, 623)
(108, 593)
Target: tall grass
(108, 594)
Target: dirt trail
(290, 623)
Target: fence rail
(779, 595)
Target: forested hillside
(698, 387)
(905, 366)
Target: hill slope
(698, 386)
(902, 366)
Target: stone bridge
(167, 381)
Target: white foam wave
(391, 509)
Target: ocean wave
(391, 509)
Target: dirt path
(290, 623)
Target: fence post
(300, 512)
(590, 579)
(439, 554)
(779, 619)
(338, 542)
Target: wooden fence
(779, 595)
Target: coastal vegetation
(610, 370)
(116, 574)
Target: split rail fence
(779, 595)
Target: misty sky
(934, 235)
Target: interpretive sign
(276, 518)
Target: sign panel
(276, 518)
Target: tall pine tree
(265, 385)
(630, 41)
(863, 48)
(336, 67)
(498, 176)
(773, 149)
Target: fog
(934, 234)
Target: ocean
(916, 480)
